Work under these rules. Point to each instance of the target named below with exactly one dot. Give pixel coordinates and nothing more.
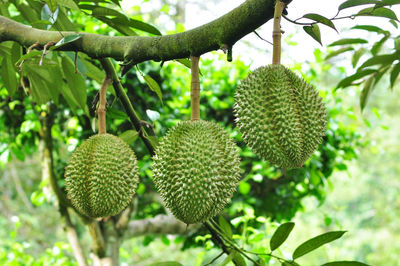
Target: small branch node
(47, 45)
(30, 48)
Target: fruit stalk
(101, 110)
(277, 33)
(195, 89)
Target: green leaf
(238, 259)
(140, 25)
(45, 80)
(394, 74)
(68, 3)
(280, 235)
(8, 75)
(120, 24)
(186, 63)
(348, 41)
(351, 3)
(320, 19)
(52, 4)
(38, 198)
(388, 3)
(380, 73)
(166, 263)
(93, 71)
(366, 92)
(33, 53)
(357, 55)
(289, 263)
(227, 259)
(369, 28)
(101, 11)
(75, 82)
(225, 226)
(394, 23)
(116, 114)
(338, 52)
(378, 45)
(17, 152)
(314, 32)
(16, 52)
(380, 60)
(66, 39)
(378, 12)
(153, 85)
(129, 136)
(316, 242)
(49, 14)
(348, 81)
(345, 263)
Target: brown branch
(48, 171)
(48, 161)
(160, 224)
(119, 90)
(227, 29)
(277, 33)
(101, 111)
(73, 238)
(98, 244)
(195, 89)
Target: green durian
(101, 176)
(196, 170)
(281, 117)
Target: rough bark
(224, 31)
(160, 224)
(48, 171)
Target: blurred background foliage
(351, 182)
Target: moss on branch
(226, 30)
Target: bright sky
(306, 45)
(196, 15)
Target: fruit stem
(195, 89)
(277, 33)
(101, 110)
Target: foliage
(62, 87)
(379, 60)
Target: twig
(47, 45)
(30, 48)
(214, 259)
(277, 33)
(101, 111)
(119, 90)
(195, 89)
(258, 35)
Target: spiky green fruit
(101, 176)
(281, 117)
(196, 170)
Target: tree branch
(226, 30)
(73, 238)
(160, 224)
(119, 90)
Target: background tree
(58, 114)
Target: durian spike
(195, 89)
(277, 33)
(101, 110)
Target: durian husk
(281, 117)
(196, 170)
(101, 176)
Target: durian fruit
(101, 176)
(281, 117)
(196, 170)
